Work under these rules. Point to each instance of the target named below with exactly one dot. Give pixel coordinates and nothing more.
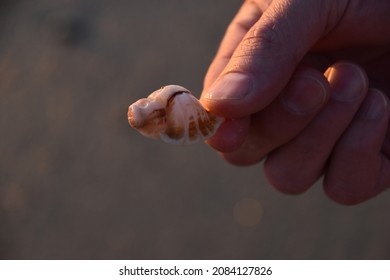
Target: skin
(304, 87)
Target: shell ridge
(174, 115)
(183, 116)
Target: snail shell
(173, 115)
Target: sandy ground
(77, 183)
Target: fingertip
(306, 93)
(347, 75)
(249, 153)
(231, 135)
(242, 158)
(280, 178)
(341, 196)
(375, 106)
(228, 95)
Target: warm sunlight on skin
(309, 96)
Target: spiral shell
(173, 115)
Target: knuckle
(264, 39)
(267, 35)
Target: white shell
(173, 115)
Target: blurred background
(76, 182)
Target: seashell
(173, 115)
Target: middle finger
(308, 153)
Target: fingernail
(232, 85)
(347, 80)
(304, 95)
(373, 107)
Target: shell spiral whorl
(173, 115)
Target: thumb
(266, 57)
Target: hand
(267, 78)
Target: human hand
(267, 77)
